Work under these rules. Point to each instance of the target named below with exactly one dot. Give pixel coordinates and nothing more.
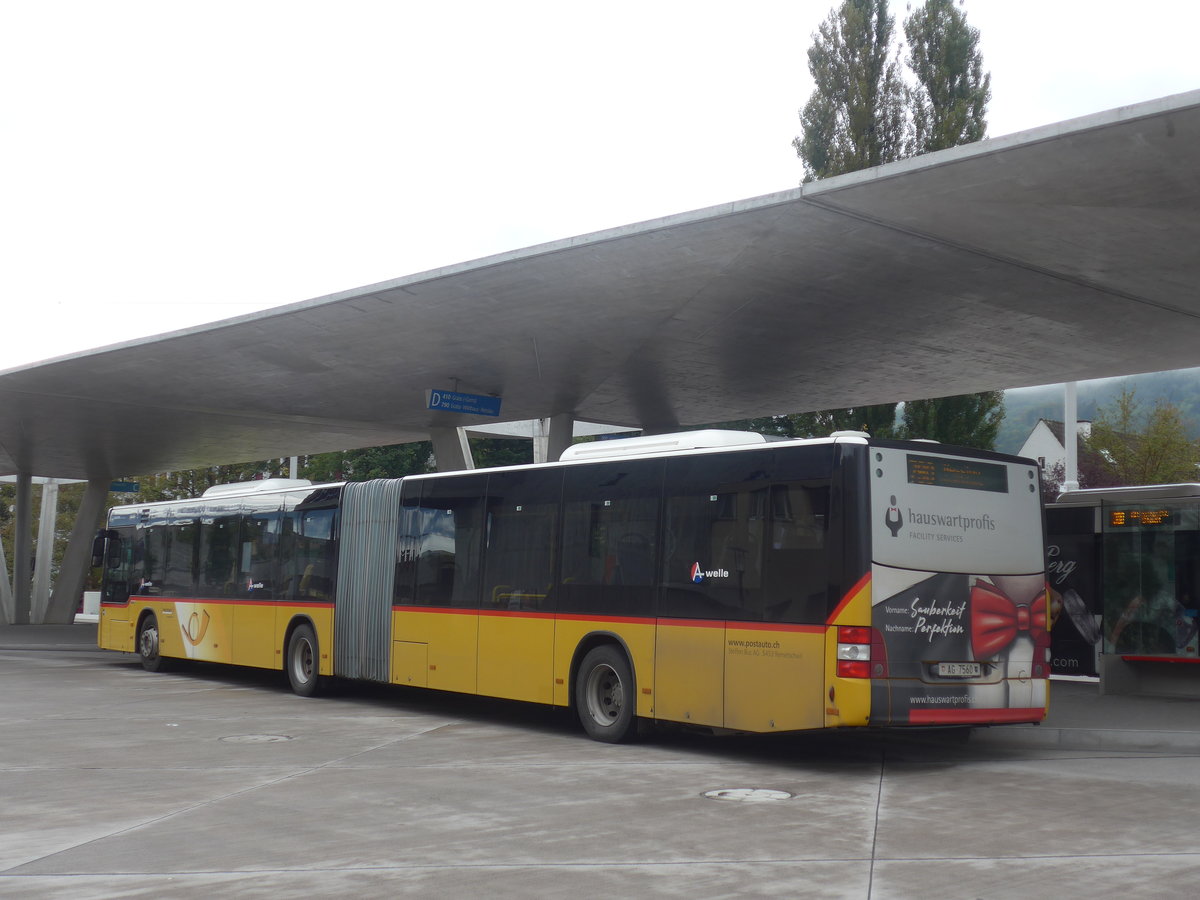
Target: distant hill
(1024, 406)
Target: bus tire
(149, 644)
(303, 661)
(605, 695)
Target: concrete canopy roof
(1063, 253)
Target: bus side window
(796, 564)
(314, 558)
(450, 541)
(718, 513)
(610, 537)
(522, 515)
(218, 549)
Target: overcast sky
(167, 163)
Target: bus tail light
(854, 651)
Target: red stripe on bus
(957, 716)
(621, 620)
(775, 626)
(223, 601)
(515, 614)
(1166, 659)
(445, 610)
(849, 595)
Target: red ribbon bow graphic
(996, 620)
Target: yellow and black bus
(711, 578)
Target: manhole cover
(255, 738)
(748, 795)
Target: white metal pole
(1071, 437)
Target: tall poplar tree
(967, 420)
(949, 102)
(855, 117)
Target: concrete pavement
(117, 783)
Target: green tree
(855, 117)
(1143, 447)
(965, 420)
(879, 421)
(391, 461)
(949, 102)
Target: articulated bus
(709, 578)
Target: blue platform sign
(471, 404)
(124, 487)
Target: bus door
(516, 619)
(775, 658)
(116, 629)
(712, 573)
(255, 627)
(435, 624)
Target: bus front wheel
(148, 645)
(302, 661)
(604, 695)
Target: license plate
(958, 670)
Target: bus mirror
(106, 540)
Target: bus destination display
(957, 473)
(1118, 518)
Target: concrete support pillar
(451, 451)
(1071, 437)
(559, 430)
(44, 552)
(22, 546)
(77, 560)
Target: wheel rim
(148, 643)
(302, 661)
(605, 695)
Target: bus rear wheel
(148, 645)
(302, 661)
(604, 695)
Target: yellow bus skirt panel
(689, 671)
(254, 642)
(774, 676)
(516, 655)
(451, 639)
(116, 629)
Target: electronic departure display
(957, 473)
(1119, 518)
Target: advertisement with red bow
(957, 645)
(958, 587)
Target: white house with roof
(1045, 442)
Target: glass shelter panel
(1151, 586)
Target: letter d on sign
(435, 400)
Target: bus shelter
(1124, 571)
